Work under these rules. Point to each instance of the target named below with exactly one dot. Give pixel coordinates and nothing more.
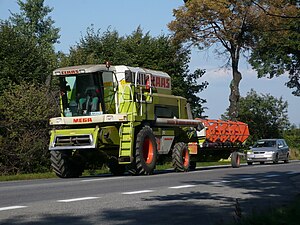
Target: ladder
(126, 142)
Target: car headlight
(270, 153)
(249, 152)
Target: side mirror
(68, 88)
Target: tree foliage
(27, 58)
(19, 58)
(141, 50)
(226, 23)
(277, 45)
(34, 22)
(265, 115)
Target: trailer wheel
(181, 157)
(145, 152)
(235, 160)
(115, 168)
(65, 165)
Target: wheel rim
(148, 150)
(185, 157)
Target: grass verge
(104, 170)
(29, 176)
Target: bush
(292, 137)
(24, 134)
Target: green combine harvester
(127, 118)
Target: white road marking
(183, 186)
(137, 192)
(12, 207)
(220, 182)
(102, 179)
(271, 175)
(77, 199)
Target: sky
(73, 17)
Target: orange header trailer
(225, 131)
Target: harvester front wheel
(65, 165)
(235, 159)
(181, 157)
(145, 151)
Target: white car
(272, 150)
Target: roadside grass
(284, 215)
(29, 176)
(103, 170)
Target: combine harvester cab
(127, 118)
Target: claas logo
(156, 81)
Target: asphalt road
(205, 196)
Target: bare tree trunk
(234, 86)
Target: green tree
(141, 50)
(33, 22)
(265, 115)
(19, 58)
(276, 50)
(227, 24)
(27, 58)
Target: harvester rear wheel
(181, 157)
(65, 165)
(145, 152)
(235, 160)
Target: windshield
(87, 94)
(260, 144)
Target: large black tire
(235, 159)
(116, 168)
(145, 153)
(65, 165)
(181, 157)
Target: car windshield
(260, 144)
(87, 94)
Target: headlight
(270, 153)
(249, 152)
(57, 120)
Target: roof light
(107, 64)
